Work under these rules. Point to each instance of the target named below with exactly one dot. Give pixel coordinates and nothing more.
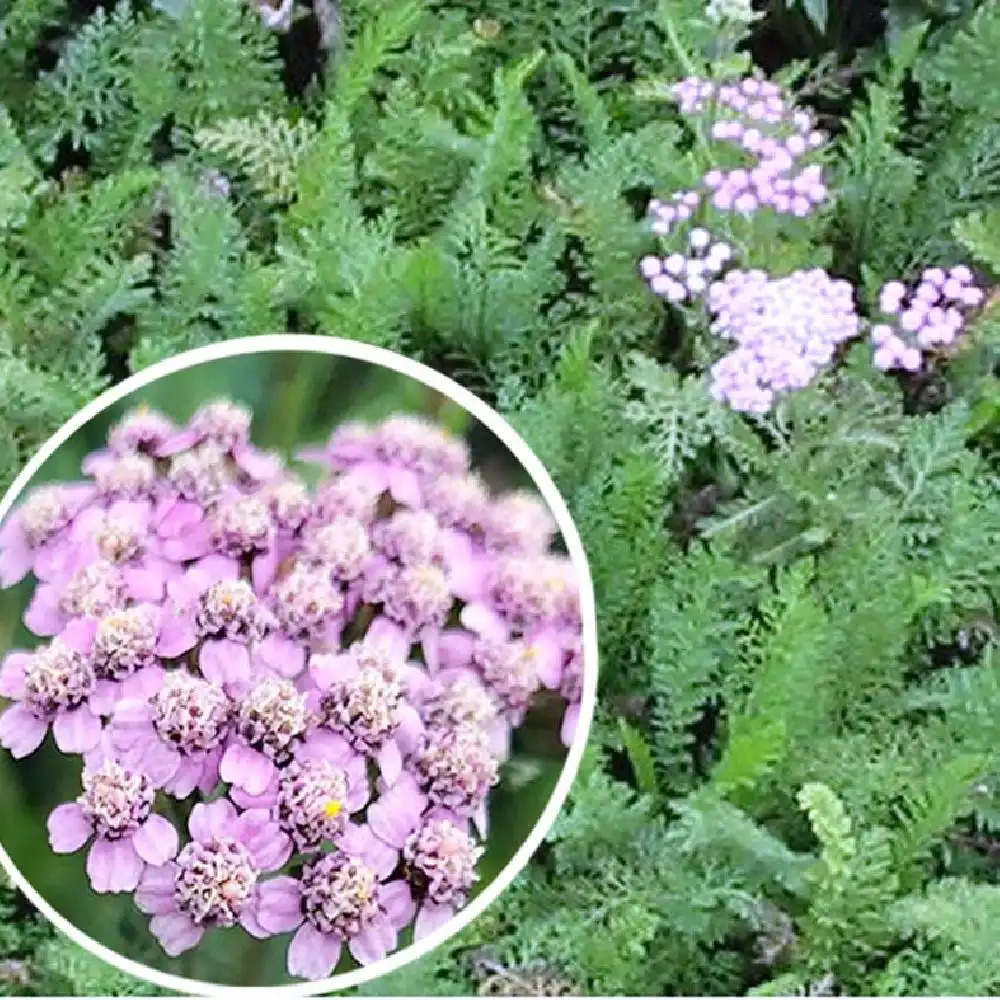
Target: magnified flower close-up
(290, 693)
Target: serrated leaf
(640, 757)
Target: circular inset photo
(299, 662)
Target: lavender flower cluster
(927, 317)
(786, 329)
(319, 684)
(760, 120)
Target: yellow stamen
(333, 808)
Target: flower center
(410, 536)
(340, 895)
(457, 768)
(214, 882)
(242, 527)
(305, 601)
(230, 609)
(419, 596)
(58, 678)
(346, 496)
(445, 858)
(362, 708)
(191, 714)
(273, 717)
(290, 505)
(124, 642)
(311, 803)
(341, 547)
(511, 672)
(130, 477)
(225, 425)
(201, 474)
(140, 430)
(520, 522)
(44, 514)
(463, 700)
(533, 589)
(116, 800)
(119, 541)
(93, 591)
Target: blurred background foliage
(297, 399)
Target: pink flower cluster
(761, 121)
(925, 318)
(681, 277)
(290, 705)
(786, 330)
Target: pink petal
(16, 561)
(156, 841)
(56, 562)
(360, 842)
(265, 568)
(192, 544)
(369, 946)
(484, 622)
(12, 675)
(43, 616)
(326, 668)
(429, 638)
(258, 465)
(175, 932)
(216, 568)
(430, 918)
(177, 635)
(145, 582)
(312, 954)
(21, 731)
(69, 829)
(185, 778)
(224, 662)
(405, 487)
(280, 906)
(455, 648)
(569, 723)
(178, 518)
(160, 762)
(251, 924)
(79, 635)
(398, 903)
(178, 442)
(247, 768)
(284, 656)
(210, 820)
(269, 847)
(410, 729)
(548, 660)
(142, 685)
(396, 813)
(390, 762)
(155, 892)
(323, 743)
(113, 866)
(77, 731)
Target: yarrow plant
(787, 328)
(290, 706)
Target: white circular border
(310, 343)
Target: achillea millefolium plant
(792, 786)
(288, 707)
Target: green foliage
(792, 786)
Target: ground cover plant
(792, 785)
